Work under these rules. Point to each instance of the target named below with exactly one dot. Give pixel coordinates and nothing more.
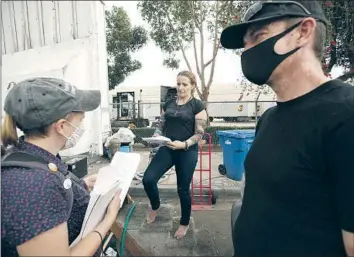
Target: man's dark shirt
(299, 192)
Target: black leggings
(185, 163)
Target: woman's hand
(113, 208)
(176, 145)
(90, 181)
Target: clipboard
(117, 175)
(159, 140)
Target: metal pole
(256, 103)
(119, 106)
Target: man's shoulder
(264, 117)
(340, 83)
(337, 100)
(333, 101)
(330, 109)
(267, 113)
(339, 92)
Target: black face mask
(259, 62)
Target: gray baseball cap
(39, 102)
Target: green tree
(179, 25)
(340, 39)
(122, 41)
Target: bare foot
(151, 216)
(181, 231)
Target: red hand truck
(201, 192)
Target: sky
(153, 73)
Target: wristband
(95, 231)
(185, 145)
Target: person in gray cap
(42, 204)
(299, 193)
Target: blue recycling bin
(125, 149)
(235, 145)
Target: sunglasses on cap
(257, 7)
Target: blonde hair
(191, 76)
(8, 131)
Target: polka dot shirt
(34, 201)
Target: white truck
(228, 102)
(62, 39)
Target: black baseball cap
(263, 11)
(38, 102)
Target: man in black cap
(299, 193)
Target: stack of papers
(117, 175)
(160, 140)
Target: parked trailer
(239, 111)
(234, 103)
(225, 102)
(132, 103)
(62, 39)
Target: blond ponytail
(8, 132)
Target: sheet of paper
(126, 166)
(160, 140)
(117, 175)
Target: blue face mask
(259, 62)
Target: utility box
(78, 166)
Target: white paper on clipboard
(117, 175)
(159, 140)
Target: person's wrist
(100, 237)
(107, 223)
(104, 226)
(186, 146)
(112, 218)
(84, 184)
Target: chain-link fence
(143, 117)
(220, 113)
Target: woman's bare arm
(51, 242)
(89, 244)
(55, 242)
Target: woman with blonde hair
(183, 120)
(43, 207)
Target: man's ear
(306, 31)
